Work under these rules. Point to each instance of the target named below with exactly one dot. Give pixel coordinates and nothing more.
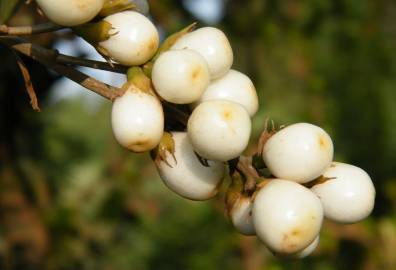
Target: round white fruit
(186, 175)
(70, 12)
(300, 152)
(219, 130)
(134, 38)
(347, 195)
(233, 86)
(241, 216)
(287, 216)
(180, 76)
(137, 120)
(213, 45)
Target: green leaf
(7, 8)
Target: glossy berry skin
(233, 86)
(70, 12)
(299, 152)
(287, 216)
(241, 215)
(213, 45)
(186, 175)
(219, 130)
(348, 195)
(134, 38)
(137, 120)
(180, 76)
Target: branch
(75, 61)
(66, 59)
(29, 30)
(104, 90)
(48, 58)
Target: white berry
(70, 13)
(219, 130)
(347, 195)
(287, 216)
(137, 120)
(233, 86)
(241, 215)
(213, 45)
(134, 38)
(180, 76)
(299, 152)
(186, 175)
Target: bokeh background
(71, 198)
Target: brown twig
(48, 58)
(65, 59)
(76, 61)
(100, 88)
(29, 30)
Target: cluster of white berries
(286, 211)
(194, 67)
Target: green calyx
(172, 39)
(96, 32)
(166, 45)
(166, 145)
(137, 77)
(115, 6)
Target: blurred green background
(71, 198)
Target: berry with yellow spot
(300, 152)
(287, 216)
(180, 76)
(219, 130)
